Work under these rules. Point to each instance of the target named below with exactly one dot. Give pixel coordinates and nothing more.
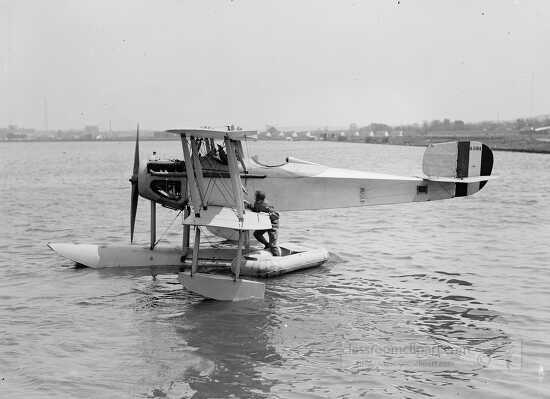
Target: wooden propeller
(135, 190)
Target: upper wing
(217, 134)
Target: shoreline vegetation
(517, 143)
(521, 135)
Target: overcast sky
(170, 64)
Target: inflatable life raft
(261, 263)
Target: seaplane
(215, 178)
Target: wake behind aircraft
(214, 179)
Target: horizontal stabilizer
(219, 216)
(474, 179)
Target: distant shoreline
(531, 146)
(524, 144)
(526, 150)
(512, 143)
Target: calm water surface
(435, 299)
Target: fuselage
(291, 186)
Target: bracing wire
(167, 228)
(208, 190)
(246, 144)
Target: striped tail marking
(473, 159)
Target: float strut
(153, 224)
(239, 255)
(196, 250)
(247, 240)
(186, 231)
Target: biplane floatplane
(214, 179)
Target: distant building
(16, 136)
(91, 130)
(543, 129)
(356, 135)
(14, 132)
(309, 137)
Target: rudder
(460, 160)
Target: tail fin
(466, 163)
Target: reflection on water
(429, 299)
(236, 340)
(201, 348)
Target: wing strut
(235, 177)
(198, 171)
(191, 182)
(211, 285)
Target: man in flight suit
(261, 205)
